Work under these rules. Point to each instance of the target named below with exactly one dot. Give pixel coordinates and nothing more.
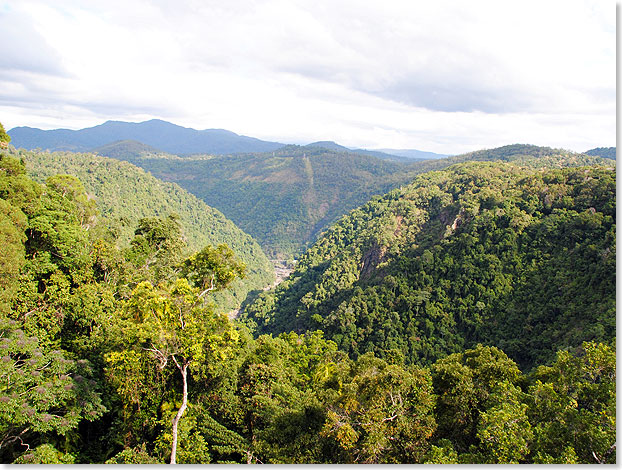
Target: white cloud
(446, 76)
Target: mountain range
(165, 136)
(463, 312)
(161, 136)
(283, 197)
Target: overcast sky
(442, 76)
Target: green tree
(157, 247)
(71, 188)
(504, 430)
(383, 414)
(175, 325)
(41, 392)
(212, 268)
(4, 138)
(13, 223)
(573, 407)
(45, 454)
(480, 409)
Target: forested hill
(126, 150)
(282, 198)
(604, 152)
(124, 194)
(520, 257)
(285, 198)
(116, 354)
(523, 154)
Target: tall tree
(42, 391)
(479, 409)
(176, 325)
(383, 414)
(573, 407)
(4, 137)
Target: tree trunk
(184, 403)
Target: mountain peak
(329, 144)
(157, 133)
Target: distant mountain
(329, 145)
(524, 154)
(412, 153)
(282, 198)
(126, 140)
(604, 152)
(125, 193)
(398, 155)
(383, 155)
(160, 134)
(126, 150)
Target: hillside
(330, 145)
(126, 150)
(412, 153)
(107, 344)
(283, 198)
(124, 194)
(160, 134)
(604, 152)
(517, 256)
(100, 347)
(525, 154)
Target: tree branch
(12, 439)
(210, 288)
(160, 356)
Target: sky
(442, 76)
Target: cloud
(23, 48)
(391, 74)
(493, 57)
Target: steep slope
(125, 193)
(520, 257)
(157, 133)
(282, 198)
(126, 150)
(604, 152)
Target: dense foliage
(285, 198)
(126, 150)
(489, 253)
(4, 137)
(125, 194)
(604, 152)
(115, 352)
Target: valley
(308, 304)
(308, 233)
